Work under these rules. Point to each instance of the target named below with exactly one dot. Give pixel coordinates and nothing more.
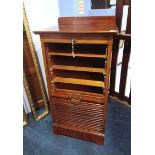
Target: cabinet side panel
(107, 80)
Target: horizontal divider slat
(81, 121)
(79, 81)
(78, 118)
(77, 41)
(90, 113)
(77, 68)
(82, 104)
(96, 95)
(77, 55)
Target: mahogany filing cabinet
(77, 55)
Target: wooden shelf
(77, 68)
(79, 81)
(77, 55)
(97, 95)
(86, 90)
(88, 41)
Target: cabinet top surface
(95, 24)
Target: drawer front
(77, 95)
(78, 114)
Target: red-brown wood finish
(119, 13)
(128, 26)
(126, 52)
(113, 66)
(78, 86)
(126, 2)
(130, 97)
(124, 69)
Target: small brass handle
(71, 99)
(74, 41)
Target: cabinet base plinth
(98, 138)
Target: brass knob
(74, 100)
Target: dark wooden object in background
(126, 52)
(31, 75)
(130, 98)
(119, 14)
(113, 66)
(78, 86)
(100, 4)
(124, 69)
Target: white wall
(41, 14)
(26, 102)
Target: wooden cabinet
(77, 56)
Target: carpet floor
(38, 138)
